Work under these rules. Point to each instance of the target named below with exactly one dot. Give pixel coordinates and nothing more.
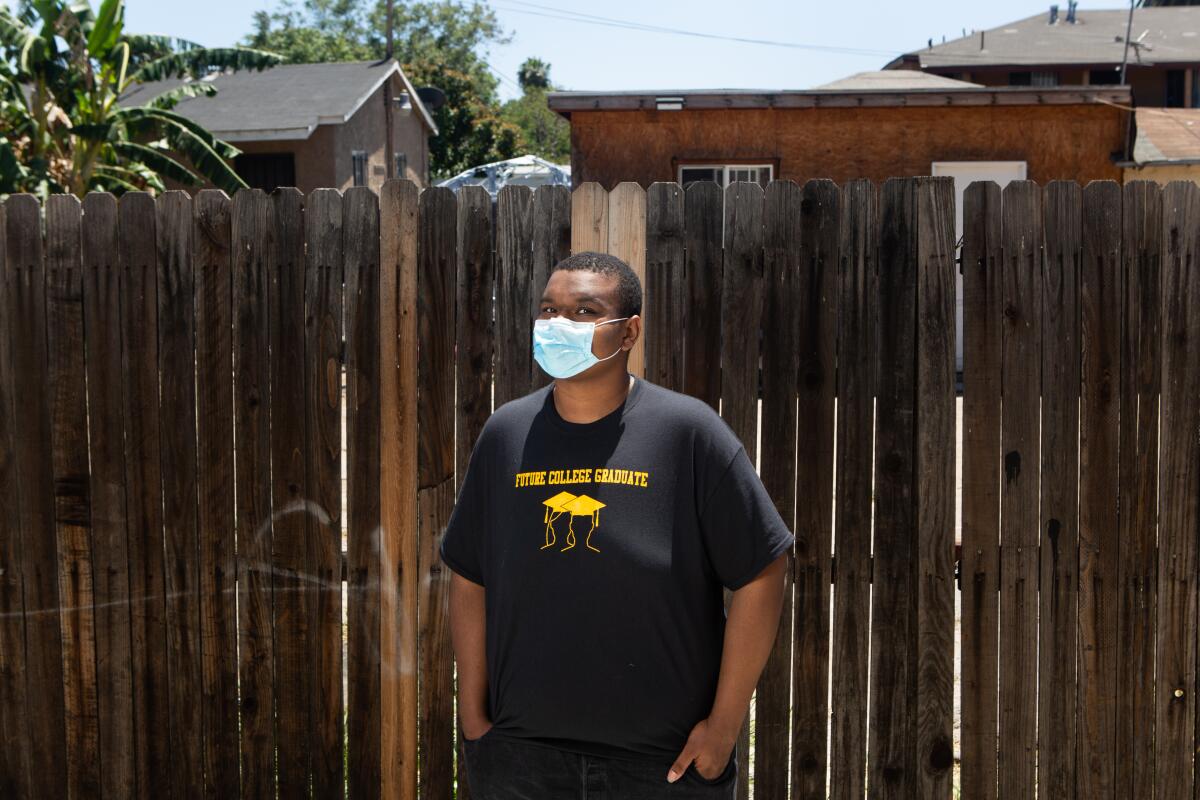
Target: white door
(964, 172)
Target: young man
(599, 517)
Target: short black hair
(629, 286)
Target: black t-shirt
(603, 547)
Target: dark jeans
(505, 768)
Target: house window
(401, 164)
(1032, 78)
(1104, 77)
(725, 174)
(358, 165)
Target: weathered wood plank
(177, 366)
(360, 247)
(293, 587)
(741, 303)
(855, 418)
(627, 241)
(253, 264)
(398, 475)
(143, 491)
(1059, 568)
(781, 265)
(1179, 515)
(1100, 331)
(703, 212)
(323, 281)
(589, 218)
(742, 295)
(665, 286)
(1020, 373)
(893, 715)
(1132, 555)
(15, 745)
(474, 328)
(101, 287)
(514, 293)
(436, 259)
(979, 568)
(815, 385)
(32, 447)
(211, 237)
(934, 481)
(72, 501)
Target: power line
(551, 12)
(592, 19)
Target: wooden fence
(221, 492)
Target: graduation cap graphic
(576, 506)
(555, 508)
(582, 506)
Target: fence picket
(1137, 358)
(780, 354)
(253, 264)
(324, 278)
(855, 388)
(979, 564)
(212, 235)
(1179, 517)
(1059, 569)
(815, 384)
(893, 715)
(1100, 335)
(143, 492)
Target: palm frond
(198, 63)
(169, 98)
(156, 160)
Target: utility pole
(389, 104)
(1128, 31)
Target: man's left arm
(750, 632)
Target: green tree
(542, 132)
(440, 43)
(61, 130)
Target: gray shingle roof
(283, 102)
(1096, 37)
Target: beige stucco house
(311, 125)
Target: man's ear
(635, 327)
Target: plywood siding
(1072, 142)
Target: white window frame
(354, 154)
(724, 170)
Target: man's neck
(590, 401)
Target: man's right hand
(476, 730)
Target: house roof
(730, 99)
(895, 80)
(1167, 136)
(1172, 35)
(284, 102)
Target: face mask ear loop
(619, 348)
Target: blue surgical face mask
(563, 347)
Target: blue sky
(855, 37)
